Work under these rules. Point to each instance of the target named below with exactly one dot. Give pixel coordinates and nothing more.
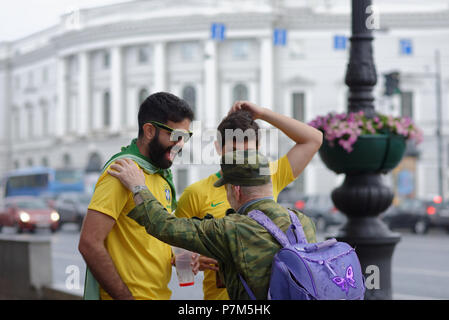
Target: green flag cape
(91, 286)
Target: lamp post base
(362, 198)
(374, 244)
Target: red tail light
(299, 204)
(334, 210)
(437, 199)
(431, 210)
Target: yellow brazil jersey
(202, 198)
(142, 261)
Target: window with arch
(106, 109)
(189, 95)
(143, 94)
(95, 163)
(240, 92)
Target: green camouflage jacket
(238, 242)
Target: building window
(240, 50)
(16, 123)
(44, 110)
(106, 60)
(30, 79)
(298, 106)
(30, 162)
(407, 104)
(143, 55)
(189, 95)
(44, 162)
(16, 164)
(143, 94)
(94, 164)
(73, 66)
(30, 123)
(66, 160)
(45, 75)
(300, 183)
(106, 109)
(189, 51)
(240, 92)
(182, 180)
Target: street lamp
(363, 196)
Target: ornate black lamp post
(362, 196)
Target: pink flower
(345, 128)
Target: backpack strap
(248, 290)
(268, 224)
(298, 230)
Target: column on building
(266, 73)
(117, 89)
(84, 85)
(211, 104)
(61, 110)
(160, 67)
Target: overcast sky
(19, 18)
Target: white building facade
(69, 95)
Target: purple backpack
(328, 270)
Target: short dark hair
(237, 120)
(163, 107)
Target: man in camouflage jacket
(237, 242)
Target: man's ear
(149, 131)
(218, 148)
(237, 192)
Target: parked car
(28, 213)
(72, 207)
(322, 210)
(290, 198)
(439, 217)
(418, 215)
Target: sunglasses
(175, 134)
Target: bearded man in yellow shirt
(122, 258)
(202, 198)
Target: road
(419, 266)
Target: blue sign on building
(406, 47)
(280, 37)
(340, 42)
(218, 31)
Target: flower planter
(377, 153)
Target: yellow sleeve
(110, 196)
(281, 175)
(188, 204)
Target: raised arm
(308, 139)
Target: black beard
(157, 153)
